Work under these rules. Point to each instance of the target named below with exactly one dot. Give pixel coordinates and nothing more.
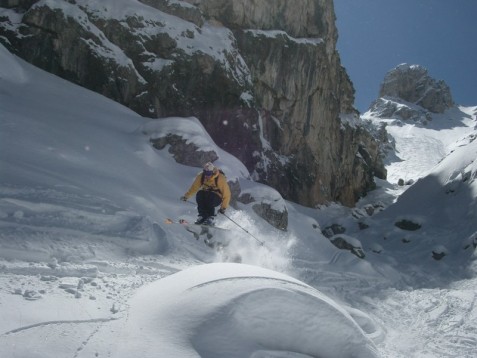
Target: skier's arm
(194, 188)
(225, 190)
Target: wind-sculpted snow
(236, 310)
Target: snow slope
(420, 146)
(88, 267)
(441, 155)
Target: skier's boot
(209, 221)
(200, 220)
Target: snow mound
(236, 310)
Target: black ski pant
(207, 201)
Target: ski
(187, 223)
(208, 231)
(199, 230)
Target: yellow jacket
(221, 188)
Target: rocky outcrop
(263, 77)
(266, 203)
(408, 93)
(276, 218)
(345, 242)
(470, 242)
(333, 230)
(412, 84)
(184, 152)
(386, 107)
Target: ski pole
(189, 202)
(228, 217)
(186, 201)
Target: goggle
(208, 173)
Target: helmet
(209, 166)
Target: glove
(183, 198)
(222, 210)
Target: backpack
(216, 178)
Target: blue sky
(377, 35)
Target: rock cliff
(263, 77)
(409, 92)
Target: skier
(212, 190)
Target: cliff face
(263, 77)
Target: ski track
(48, 323)
(428, 322)
(77, 249)
(80, 333)
(111, 294)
